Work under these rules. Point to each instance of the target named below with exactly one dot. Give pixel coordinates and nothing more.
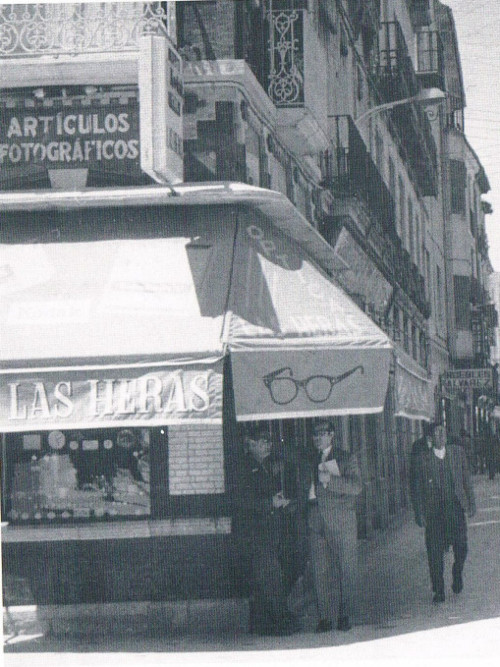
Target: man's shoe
(458, 583)
(344, 624)
(438, 597)
(324, 626)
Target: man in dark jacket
(441, 493)
(258, 522)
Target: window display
(68, 475)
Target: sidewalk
(394, 596)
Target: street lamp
(428, 95)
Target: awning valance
(414, 392)
(134, 329)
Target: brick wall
(195, 460)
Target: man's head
(257, 441)
(323, 432)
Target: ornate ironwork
(72, 28)
(286, 54)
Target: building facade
(318, 100)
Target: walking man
(442, 493)
(334, 485)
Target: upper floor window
(418, 245)
(402, 209)
(411, 231)
(414, 342)
(458, 186)
(406, 334)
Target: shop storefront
(139, 328)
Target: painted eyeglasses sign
(81, 399)
(71, 136)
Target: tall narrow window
(411, 231)
(418, 246)
(402, 209)
(457, 185)
(406, 334)
(414, 342)
(439, 288)
(428, 274)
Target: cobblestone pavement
(394, 610)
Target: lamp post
(429, 95)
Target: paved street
(394, 599)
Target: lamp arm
(384, 107)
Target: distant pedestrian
(466, 443)
(335, 482)
(491, 451)
(441, 493)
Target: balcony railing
(285, 84)
(275, 50)
(397, 80)
(430, 59)
(351, 172)
(395, 72)
(408, 276)
(72, 28)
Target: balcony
(430, 59)
(292, 72)
(395, 72)
(44, 29)
(72, 43)
(397, 80)
(420, 13)
(351, 173)
(409, 279)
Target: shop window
(58, 476)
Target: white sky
(478, 26)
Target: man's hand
(279, 500)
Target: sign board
(161, 108)
(71, 136)
(467, 378)
(99, 398)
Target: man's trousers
(333, 553)
(441, 531)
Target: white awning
(138, 321)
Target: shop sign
(467, 378)
(204, 68)
(74, 136)
(117, 397)
(161, 87)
